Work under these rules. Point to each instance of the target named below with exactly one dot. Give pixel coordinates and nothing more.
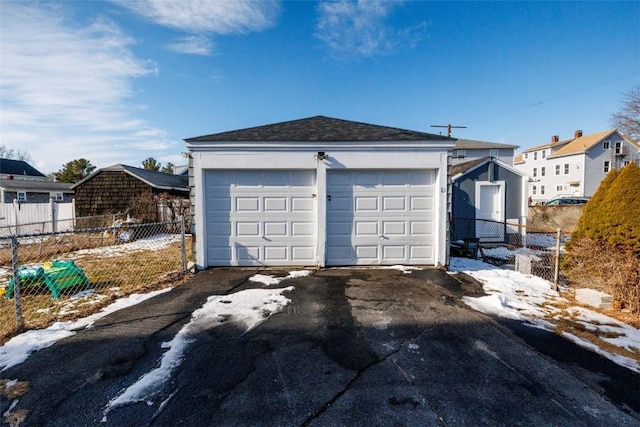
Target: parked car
(563, 201)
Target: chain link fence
(58, 276)
(529, 250)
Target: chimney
(555, 138)
(577, 134)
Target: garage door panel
(421, 203)
(303, 204)
(303, 228)
(275, 229)
(367, 228)
(383, 217)
(366, 203)
(260, 217)
(275, 204)
(394, 228)
(394, 252)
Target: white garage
(319, 192)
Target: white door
(489, 211)
(380, 217)
(260, 217)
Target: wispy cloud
(207, 16)
(357, 29)
(195, 45)
(65, 89)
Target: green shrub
(604, 250)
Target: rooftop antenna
(449, 127)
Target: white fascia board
(203, 146)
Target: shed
(115, 188)
(319, 191)
(488, 200)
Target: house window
(535, 155)
(606, 145)
(618, 147)
(58, 197)
(493, 153)
(526, 155)
(557, 169)
(544, 153)
(625, 163)
(534, 190)
(542, 171)
(559, 188)
(607, 166)
(542, 189)
(461, 154)
(22, 196)
(566, 168)
(535, 172)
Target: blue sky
(119, 81)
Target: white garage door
(380, 217)
(260, 217)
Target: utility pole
(449, 127)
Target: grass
(120, 274)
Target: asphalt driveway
(354, 347)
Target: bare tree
(10, 153)
(627, 119)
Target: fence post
(16, 282)
(183, 244)
(16, 208)
(557, 269)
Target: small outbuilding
(116, 188)
(488, 200)
(320, 192)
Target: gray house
(467, 150)
(19, 170)
(486, 194)
(25, 191)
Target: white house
(320, 192)
(467, 150)
(575, 167)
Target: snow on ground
(404, 268)
(18, 348)
(531, 299)
(268, 280)
(246, 309)
(153, 243)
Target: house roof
(519, 158)
(35, 186)
(319, 128)
(159, 180)
(468, 144)
(581, 144)
(18, 167)
(461, 169)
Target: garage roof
(319, 128)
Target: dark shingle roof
(463, 167)
(319, 128)
(159, 180)
(462, 144)
(35, 186)
(18, 167)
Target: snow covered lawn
(531, 299)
